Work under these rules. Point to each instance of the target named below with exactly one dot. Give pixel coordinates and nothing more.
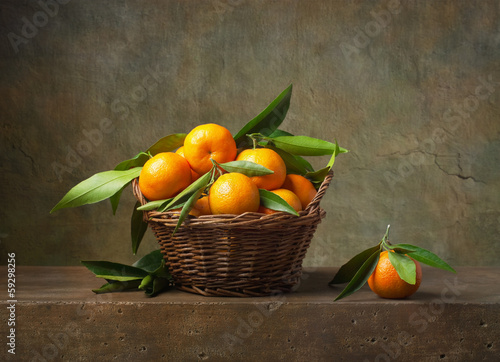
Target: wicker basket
(244, 255)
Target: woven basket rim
(227, 220)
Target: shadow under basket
(247, 255)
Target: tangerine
(233, 193)
(164, 175)
(386, 282)
(194, 175)
(301, 187)
(269, 159)
(287, 195)
(208, 141)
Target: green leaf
(114, 271)
(404, 266)
(146, 281)
(159, 285)
(153, 205)
(294, 164)
(349, 269)
(137, 161)
(317, 177)
(425, 256)
(361, 276)
(187, 207)
(167, 144)
(184, 195)
(118, 286)
(279, 132)
(97, 188)
(275, 202)
(138, 227)
(246, 167)
(304, 145)
(267, 121)
(115, 199)
(150, 262)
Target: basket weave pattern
(245, 255)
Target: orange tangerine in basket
(269, 159)
(287, 195)
(164, 175)
(233, 193)
(301, 187)
(208, 141)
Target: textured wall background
(411, 88)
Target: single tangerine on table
(233, 193)
(194, 175)
(287, 195)
(164, 175)
(301, 187)
(269, 159)
(386, 282)
(208, 141)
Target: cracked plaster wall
(411, 88)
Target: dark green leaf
(118, 286)
(279, 133)
(115, 199)
(184, 195)
(425, 256)
(275, 202)
(361, 276)
(294, 164)
(159, 285)
(137, 161)
(167, 144)
(138, 227)
(152, 205)
(317, 177)
(150, 262)
(114, 271)
(97, 188)
(188, 206)
(349, 269)
(268, 120)
(246, 167)
(404, 266)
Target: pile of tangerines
(168, 173)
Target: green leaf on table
(275, 202)
(97, 188)
(159, 284)
(185, 194)
(150, 262)
(425, 256)
(361, 276)
(349, 269)
(405, 267)
(246, 167)
(138, 227)
(294, 164)
(118, 286)
(167, 144)
(114, 271)
(267, 121)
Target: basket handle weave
(314, 204)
